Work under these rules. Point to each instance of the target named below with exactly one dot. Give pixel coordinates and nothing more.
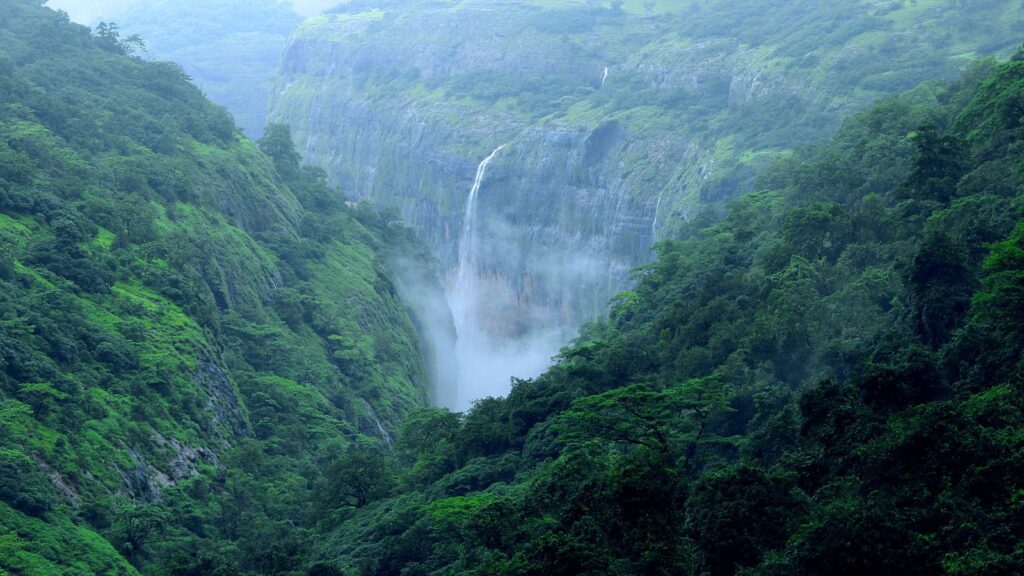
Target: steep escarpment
(620, 123)
(192, 326)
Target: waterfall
(473, 344)
(604, 77)
(481, 300)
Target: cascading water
(487, 351)
(380, 426)
(604, 76)
(473, 343)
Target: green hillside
(191, 330)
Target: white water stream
(380, 426)
(654, 224)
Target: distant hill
(230, 48)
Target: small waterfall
(604, 76)
(376, 419)
(654, 225)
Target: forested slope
(827, 381)
(191, 328)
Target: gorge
(512, 288)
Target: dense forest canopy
(208, 366)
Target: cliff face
(619, 124)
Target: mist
(419, 285)
(511, 301)
(89, 12)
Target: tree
(427, 442)
(109, 33)
(42, 397)
(276, 143)
(136, 526)
(1000, 302)
(941, 286)
(900, 373)
(358, 478)
(486, 429)
(133, 45)
(201, 558)
(675, 419)
(938, 165)
(109, 36)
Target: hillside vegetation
(192, 327)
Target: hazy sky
(89, 11)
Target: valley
(511, 288)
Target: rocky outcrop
(226, 417)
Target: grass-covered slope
(191, 328)
(828, 381)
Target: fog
(90, 11)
